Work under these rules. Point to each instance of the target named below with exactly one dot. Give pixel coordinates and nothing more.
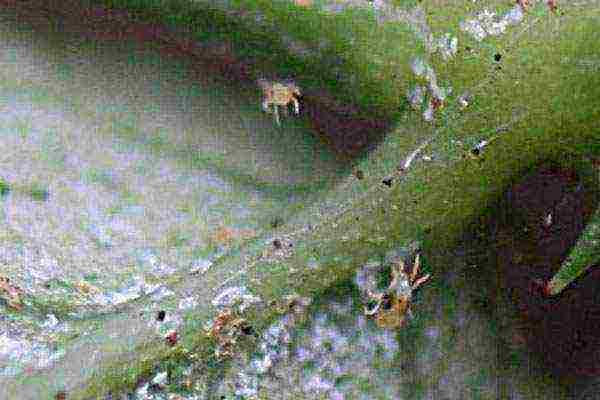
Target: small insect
(85, 288)
(11, 293)
(393, 305)
(172, 338)
(60, 395)
(225, 329)
(279, 94)
(524, 4)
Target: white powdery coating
(12, 348)
(131, 292)
(340, 347)
(488, 23)
(51, 322)
(246, 385)
(36, 355)
(335, 395)
(416, 97)
(233, 295)
(428, 113)
(142, 392)
(303, 354)
(317, 383)
(439, 92)
(365, 277)
(262, 365)
(187, 303)
(514, 15)
(447, 46)
(200, 266)
(312, 263)
(419, 66)
(160, 379)
(161, 293)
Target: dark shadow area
(559, 336)
(563, 330)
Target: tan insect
(524, 4)
(225, 329)
(11, 293)
(393, 305)
(85, 288)
(279, 94)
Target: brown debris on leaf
(226, 329)
(172, 338)
(85, 288)
(11, 293)
(303, 3)
(225, 235)
(524, 4)
(295, 304)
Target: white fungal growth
(428, 113)
(464, 100)
(440, 93)
(327, 350)
(238, 295)
(447, 46)
(366, 277)
(416, 97)
(414, 154)
(421, 69)
(200, 266)
(488, 23)
(160, 379)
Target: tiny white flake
(200, 266)
(160, 379)
(187, 303)
(234, 295)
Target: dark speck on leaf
(277, 243)
(154, 387)
(387, 302)
(247, 330)
(387, 182)
(497, 57)
(161, 315)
